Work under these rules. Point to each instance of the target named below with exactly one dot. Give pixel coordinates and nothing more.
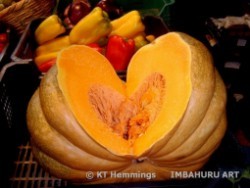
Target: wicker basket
(19, 14)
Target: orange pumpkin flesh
(77, 78)
(168, 116)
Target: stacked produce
(117, 38)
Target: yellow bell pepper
(150, 38)
(140, 40)
(91, 27)
(53, 45)
(49, 29)
(129, 25)
(45, 57)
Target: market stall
(117, 93)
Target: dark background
(190, 15)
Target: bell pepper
(150, 38)
(49, 29)
(96, 47)
(3, 41)
(91, 27)
(3, 38)
(45, 66)
(53, 45)
(119, 51)
(140, 41)
(129, 25)
(45, 57)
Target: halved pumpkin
(169, 115)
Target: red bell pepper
(44, 67)
(3, 38)
(96, 47)
(3, 41)
(119, 51)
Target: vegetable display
(92, 26)
(168, 116)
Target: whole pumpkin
(168, 116)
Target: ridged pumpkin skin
(68, 148)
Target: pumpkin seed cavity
(129, 117)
